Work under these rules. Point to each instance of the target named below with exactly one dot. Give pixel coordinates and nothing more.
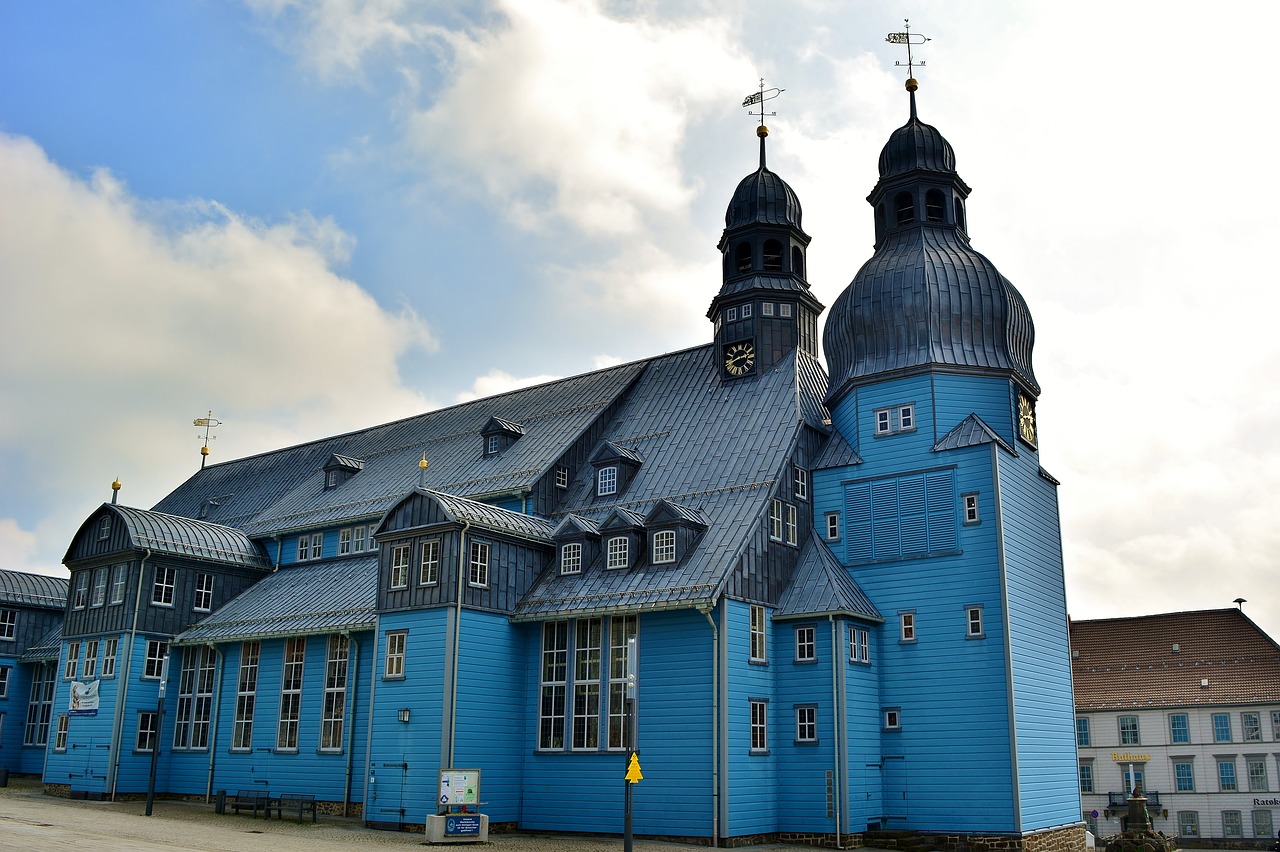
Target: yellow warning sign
(633, 769)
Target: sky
(313, 217)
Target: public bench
(254, 800)
(302, 803)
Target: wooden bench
(303, 803)
(253, 799)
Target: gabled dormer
(498, 434)
(673, 532)
(577, 544)
(622, 538)
(339, 468)
(615, 467)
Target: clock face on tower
(1027, 419)
(739, 358)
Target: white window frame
(109, 648)
(1188, 823)
(906, 417)
(246, 696)
(344, 541)
(907, 626)
(1179, 777)
(884, 425)
(607, 481)
(4, 681)
(359, 544)
(397, 646)
(622, 630)
(759, 646)
(801, 487)
(164, 581)
(974, 626)
(571, 558)
(588, 636)
(147, 735)
(554, 680)
(562, 477)
(293, 668)
(399, 575)
(90, 667)
(892, 718)
(195, 699)
(1232, 827)
(80, 598)
(491, 445)
(40, 706)
(759, 720)
(806, 644)
(833, 526)
(429, 565)
(334, 713)
(1218, 730)
(859, 645)
(1251, 726)
(775, 520)
(1124, 730)
(1086, 776)
(784, 309)
(746, 311)
(98, 597)
(157, 650)
(1263, 824)
(71, 666)
(119, 580)
(618, 552)
(1255, 769)
(730, 314)
(766, 309)
(8, 625)
(104, 528)
(1228, 782)
(792, 526)
(478, 573)
(664, 547)
(204, 592)
(806, 723)
(971, 515)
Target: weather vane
(208, 422)
(908, 38)
(758, 98)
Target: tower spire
(909, 38)
(758, 99)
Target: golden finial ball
(422, 464)
(762, 131)
(204, 451)
(912, 84)
(115, 485)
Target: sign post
(155, 744)
(633, 758)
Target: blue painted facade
(841, 588)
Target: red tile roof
(1131, 662)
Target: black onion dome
(916, 145)
(926, 299)
(763, 198)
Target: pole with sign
(633, 759)
(155, 743)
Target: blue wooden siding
(752, 777)
(804, 766)
(864, 799)
(1039, 646)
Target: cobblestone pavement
(33, 822)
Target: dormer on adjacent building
(339, 468)
(673, 532)
(577, 544)
(615, 467)
(498, 434)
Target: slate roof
(38, 590)
(178, 536)
(715, 449)
(49, 647)
(1122, 663)
(970, 432)
(821, 586)
(284, 490)
(305, 599)
(837, 453)
(493, 518)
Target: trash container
(4, 776)
(220, 802)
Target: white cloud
(334, 37)
(499, 381)
(125, 320)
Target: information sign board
(459, 788)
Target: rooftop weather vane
(908, 38)
(208, 422)
(758, 98)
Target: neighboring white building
(1188, 705)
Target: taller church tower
(944, 517)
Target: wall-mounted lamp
(403, 714)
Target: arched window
(934, 206)
(742, 257)
(772, 256)
(960, 214)
(904, 205)
(797, 261)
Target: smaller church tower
(764, 308)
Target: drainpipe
(369, 791)
(457, 646)
(118, 723)
(279, 551)
(213, 735)
(715, 728)
(353, 667)
(837, 720)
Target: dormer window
(339, 468)
(619, 552)
(607, 481)
(578, 540)
(934, 206)
(498, 434)
(676, 531)
(622, 535)
(571, 558)
(772, 256)
(615, 467)
(104, 528)
(905, 208)
(491, 445)
(664, 547)
(562, 477)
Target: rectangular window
(792, 525)
(40, 705)
(4, 681)
(104, 528)
(295, 654)
(429, 569)
(109, 657)
(833, 526)
(371, 544)
(730, 314)
(1188, 824)
(246, 697)
(1251, 726)
(859, 645)
(907, 622)
(1257, 769)
(72, 666)
(164, 579)
(554, 677)
(883, 423)
(1275, 725)
(8, 624)
(90, 668)
(1129, 734)
(971, 508)
(1086, 776)
(746, 311)
(759, 654)
(1082, 732)
(892, 719)
(1184, 776)
(491, 445)
(664, 547)
(1263, 827)
(607, 481)
(400, 565)
(586, 683)
(358, 540)
(1232, 824)
(807, 724)
(195, 699)
(99, 595)
(156, 652)
(571, 558)
(1179, 728)
(335, 694)
(801, 488)
(562, 477)
(759, 725)
(973, 616)
(906, 417)
(146, 739)
(1221, 727)
(479, 573)
(618, 552)
(60, 736)
(784, 309)
(806, 647)
(204, 593)
(310, 546)
(775, 520)
(81, 597)
(622, 633)
(766, 309)
(395, 654)
(117, 583)
(1227, 775)
(344, 541)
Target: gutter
(715, 728)
(368, 748)
(353, 668)
(457, 647)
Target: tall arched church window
(797, 261)
(772, 256)
(934, 206)
(905, 207)
(742, 257)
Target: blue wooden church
(843, 586)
